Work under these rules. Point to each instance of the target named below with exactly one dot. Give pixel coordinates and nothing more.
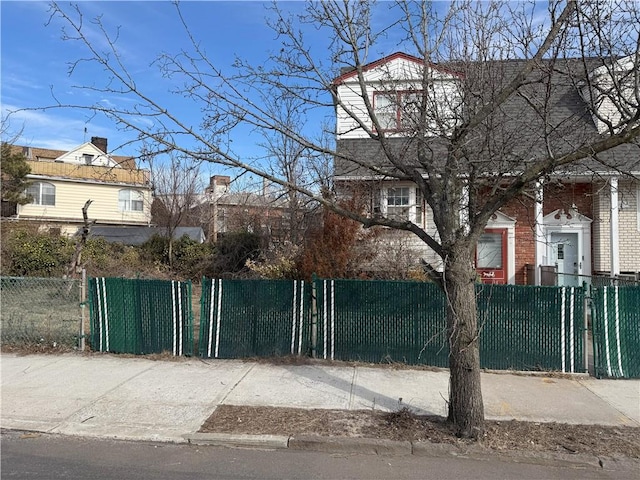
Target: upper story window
(130, 201)
(397, 111)
(403, 203)
(42, 193)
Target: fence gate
(615, 316)
(141, 316)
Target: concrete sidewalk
(141, 399)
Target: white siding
(397, 75)
(397, 249)
(614, 101)
(77, 156)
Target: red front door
(491, 255)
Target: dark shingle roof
(139, 235)
(548, 112)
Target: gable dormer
(88, 154)
(612, 92)
(397, 67)
(399, 88)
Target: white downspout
(614, 230)
(539, 231)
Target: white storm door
(566, 256)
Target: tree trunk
(466, 409)
(77, 255)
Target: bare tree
(287, 158)
(177, 190)
(463, 143)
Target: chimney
(219, 185)
(100, 142)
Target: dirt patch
(599, 441)
(36, 349)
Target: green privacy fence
(141, 316)
(616, 331)
(254, 318)
(381, 321)
(531, 328)
(523, 328)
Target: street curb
(377, 446)
(374, 446)
(270, 442)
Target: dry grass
(596, 440)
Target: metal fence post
(314, 317)
(586, 313)
(83, 302)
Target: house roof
(554, 111)
(350, 72)
(50, 155)
(139, 235)
(253, 200)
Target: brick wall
(522, 211)
(557, 196)
(565, 196)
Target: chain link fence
(40, 313)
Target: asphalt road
(28, 456)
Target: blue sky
(35, 59)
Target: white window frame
(39, 196)
(415, 208)
(396, 106)
(127, 202)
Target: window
(434, 110)
(489, 250)
(403, 203)
(130, 201)
(386, 111)
(398, 203)
(397, 111)
(42, 193)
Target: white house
(580, 221)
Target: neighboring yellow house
(62, 182)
